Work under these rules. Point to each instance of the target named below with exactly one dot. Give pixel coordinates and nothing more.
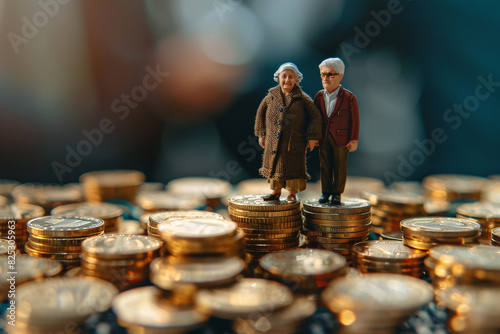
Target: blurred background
(171, 87)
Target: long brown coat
(287, 124)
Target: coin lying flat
(387, 250)
(117, 246)
(50, 226)
(86, 209)
(20, 211)
(198, 228)
(64, 300)
(160, 217)
(348, 206)
(162, 200)
(256, 203)
(196, 186)
(248, 296)
(440, 227)
(140, 308)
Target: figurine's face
(288, 79)
(329, 78)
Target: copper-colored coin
(336, 223)
(335, 235)
(270, 231)
(263, 214)
(20, 212)
(256, 203)
(266, 220)
(337, 229)
(54, 249)
(272, 247)
(54, 256)
(160, 217)
(271, 226)
(387, 251)
(272, 241)
(50, 226)
(440, 227)
(86, 209)
(336, 217)
(336, 241)
(119, 246)
(348, 206)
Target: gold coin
(263, 214)
(271, 226)
(47, 196)
(246, 297)
(387, 251)
(50, 226)
(336, 217)
(139, 309)
(439, 227)
(256, 203)
(166, 201)
(480, 210)
(86, 209)
(120, 246)
(272, 247)
(130, 227)
(20, 212)
(113, 178)
(49, 255)
(336, 241)
(348, 206)
(337, 229)
(28, 268)
(336, 223)
(202, 245)
(199, 186)
(266, 220)
(287, 240)
(455, 240)
(272, 236)
(333, 248)
(192, 228)
(334, 235)
(160, 217)
(428, 245)
(58, 241)
(398, 236)
(54, 249)
(270, 231)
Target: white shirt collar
(333, 94)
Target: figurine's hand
(262, 141)
(352, 145)
(311, 144)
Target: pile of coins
(119, 259)
(47, 196)
(390, 207)
(426, 232)
(461, 265)
(60, 238)
(486, 214)
(336, 227)
(268, 225)
(473, 309)
(451, 187)
(305, 271)
(375, 303)
(107, 185)
(156, 201)
(111, 214)
(130, 227)
(140, 311)
(13, 220)
(156, 219)
(388, 256)
(59, 305)
(209, 189)
(495, 237)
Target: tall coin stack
(451, 187)
(460, 265)
(268, 225)
(111, 214)
(106, 185)
(426, 232)
(486, 214)
(60, 238)
(336, 227)
(20, 214)
(388, 256)
(119, 259)
(390, 207)
(495, 237)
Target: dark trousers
(333, 166)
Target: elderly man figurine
(287, 123)
(339, 111)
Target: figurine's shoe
(271, 197)
(291, 198)
(324, 198)
(336, 199)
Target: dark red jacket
(343, 124)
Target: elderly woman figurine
(287, 123)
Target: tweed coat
(287, 124)
(343, 124)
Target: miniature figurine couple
(288, 122)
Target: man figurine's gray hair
(288, 66)
(336, 63)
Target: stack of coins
(426, 232)
(375, 303)
(398, 236)
(60, 238)
(130, 227)
(47, 196)
(451, 187)
(390, 207)
(268, 225)
(305, 271)
(162, 217)
(388, 256)
(111, 214)
(473, 309)
(460, 265)
(179, 278)
(286, 321)
(139, 311)
(202, 237)
(336, 227)
(119, 259)
(6, 187)
(210, 189)
(155, 201)
(495, 237)
(107, 185)
(248, 296)
(486, 214)
(13, 219)
(59, 305)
